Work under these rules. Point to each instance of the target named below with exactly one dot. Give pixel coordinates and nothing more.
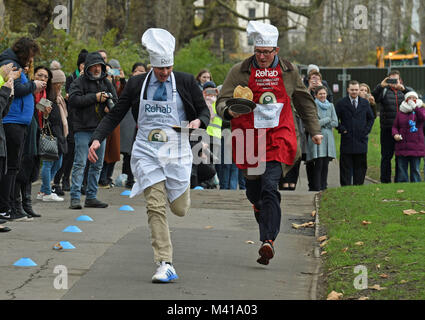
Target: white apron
(267, 115)
(159, 152)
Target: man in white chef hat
(159, 100)
(276, 86)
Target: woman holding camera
(55, 124)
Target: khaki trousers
(156, 198)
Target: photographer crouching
(91, 96)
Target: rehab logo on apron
(273, 115)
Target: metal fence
(338, 78)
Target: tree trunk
(2, 15)
(89, 19)
(421, 14)
(224, 40)
(22, 12)
(279, 18)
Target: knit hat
(82, 57)
(411, 94)
(209, 84)
(115, 64)
(312, 67)
(57, 74)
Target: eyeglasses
(266, 53)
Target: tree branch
(218, 26)
(306, 11)
(237, 14)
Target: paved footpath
(113, 257)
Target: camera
(392, 81)
(109, 102)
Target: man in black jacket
(389, 94)
(169, 99)
(88, 98)
(355, 123)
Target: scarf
(323, 105)
(64, 114)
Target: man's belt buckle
(158, 135)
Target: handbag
(48, 145)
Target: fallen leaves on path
(409, 212)
(323, 253)
(249, 242)
(322, 238)
(377, 287)
(363, 298)
(400, 191)
(310, 224)
(359, 243)
(324, 243)
(345, 250)
(334, 296)
(384, 276)
(313, 213)
(365, 223)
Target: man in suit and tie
(355, 123)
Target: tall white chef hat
(160, 45)
(264, 35)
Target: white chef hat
(264, 35)
(160, 45)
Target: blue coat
(354, 125)
(22, 107)
(328, 120)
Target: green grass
(394, 243)
(374, 152)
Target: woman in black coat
(57, 125)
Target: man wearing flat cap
(276, 87)
(159, 101)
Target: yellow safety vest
(214, 128)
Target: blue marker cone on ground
(25, 262)
(84, 218)
(72, 229)
(126, 208)
(66, 245)
(198, 188)
(126, 193)
(63, 245)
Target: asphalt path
(215, 251)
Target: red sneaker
(266, 252)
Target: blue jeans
(82, 140)
(404, 163)
(48, 172)
(228, 176)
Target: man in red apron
(275, 84)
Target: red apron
(273, 118)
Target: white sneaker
(164, 273)
(40, 195)
(52, 197)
